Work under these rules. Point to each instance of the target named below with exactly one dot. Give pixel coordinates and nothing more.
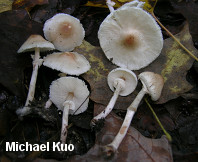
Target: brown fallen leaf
(27, 4)
(189, 10)
(134, 147)
(173, 64)
(15, 28)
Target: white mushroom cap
(64, 31)
(127, 76)
(153, 83)
(70, 89)
(67, 62)
(131, 38)
(35, 41)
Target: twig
(157, 119)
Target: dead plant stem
(193, 56)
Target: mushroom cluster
(129, 37)
(152, 85)
(69, 94)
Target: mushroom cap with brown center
(131, 38)
(64, 31)
(71, 63)
(153, 83)
(35, 41)
(70, 89)
(129, 78)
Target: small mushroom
(152, 85)
(35, 43)
(67, 62)
(64, 31)
(70, 95)
(122, 82)
(130, 38)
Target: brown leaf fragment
(134, 147)
(15, 28)
(27, 4)
(173, 64)
(45, 12)
(5, 5)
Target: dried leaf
(134, 147)
(27, 4)
(189, 10)
(15, 28)
(173, 64)
(45, 12)
(5, 5)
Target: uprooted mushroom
(122, 82)
(70, 95)
(34, 43)
(130, 37)
(152, 85)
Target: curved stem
(110, 105)
(32, 85)
(123, 130)
(110, 5)
(193, 56)
(67, 106)
(127, 121)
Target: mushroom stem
(119, 84)
(36, 63)
(67, 106)
(110, 5)
(113, 146)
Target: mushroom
(35, 43)
(71, 63)
(64, 31)
(122, 82)
(130, 38)
(152, 85)
(70, 95)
